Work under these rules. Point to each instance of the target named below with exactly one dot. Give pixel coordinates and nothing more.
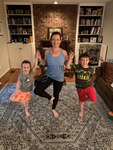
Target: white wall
(4, 59)
(108, 29)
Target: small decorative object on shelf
(88, 11)
(100, 39)
(19, 22)
(90, 23)
(81, 11)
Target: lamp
(55, 2)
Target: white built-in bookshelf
(90, 24)
(89, 37)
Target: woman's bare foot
(27, 113)
(52, 99)
(55, 113)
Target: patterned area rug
(43, 132)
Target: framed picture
(88, 11)
(94, 12)
(93, 39)
(51, 30)
(1, 29)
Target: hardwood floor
(12, 76)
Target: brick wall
(46, 16)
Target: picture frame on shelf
(85, 40)
(94, 12)
(88, 11)
(51, 30)
(93, 39)
(99, 11)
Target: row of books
(96, 30)
(18, 11)
(90, 22)
(23, 20)
(91, 11)
(93, 30)
(20, 30)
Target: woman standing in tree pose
(55, 59)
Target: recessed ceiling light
(55, 2)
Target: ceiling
(60, 1)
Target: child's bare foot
(52, 99)
(81, 114)
(27, 113)
(55, 113)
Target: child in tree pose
(85, 76)
(24, 86)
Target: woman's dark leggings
(43, 84)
